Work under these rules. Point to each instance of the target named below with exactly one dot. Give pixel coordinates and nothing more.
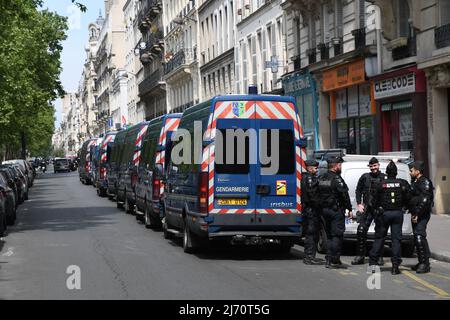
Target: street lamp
(180, 20)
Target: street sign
(273, 64)
(110, 122)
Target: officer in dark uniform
(334, 199)
(364, 190)
(311, 210)
(391, 196)
(420, 208)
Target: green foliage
(58, 153)
(30, 66)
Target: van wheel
(322, 243)
(408, 249)
(150, 221)
(26, 196)
(166, 233)
(128, 208)
(191, 243)
(119, 204)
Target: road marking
(426, 284)
(439, 275)
(9, 252)
(398, 281)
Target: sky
(73, 55)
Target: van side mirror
(160, 148)
(302, 142)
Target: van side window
(286, 149)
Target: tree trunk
(24, 145)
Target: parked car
(10, 202)
(2, 214)
(10, 177)
(84, 168)
(25, 167)
(144, 190)
(236, 202)
(21, 182)
(103, 158)
(352, 169)
(61, 165)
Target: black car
(10, 176)
(10, 199)
(2, 213)
(21, 182)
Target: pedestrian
(391, 197)
(311, 211)
(420, 208)
(334, 199)
(364, 192)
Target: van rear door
(234, 188)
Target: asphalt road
(65, 223)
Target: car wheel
(408, 249)
(2, 226)
(167, 235)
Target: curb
(440, 256)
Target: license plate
(232, 202)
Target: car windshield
(62, 161)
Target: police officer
(391, 196)
(311, 209)
(420, 208)
(363, 199)
(334, 199)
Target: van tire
(408, 249)
(128, 208)
(167, 235)
(322, 243)
(26, 196)
(188, 241)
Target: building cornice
(217, 60)
(204, 5)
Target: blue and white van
(237, 202)
(103, 157)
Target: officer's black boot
(310, 260)
(395, 270)
(361, 246)
(423, 255)
(327, 262)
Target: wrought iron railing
(442, 36)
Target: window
(403, 17)
(235, 167)
(444, 12)
(244, 65)
(254, 62)
(286, 148)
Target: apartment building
(216, 48)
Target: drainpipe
(377, 10)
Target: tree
(30, 65)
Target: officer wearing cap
(391, 197)
(311, 211)
(420, 208)
(334, 199)
(364, 203)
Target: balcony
(337, 46)
(442, 36)
(360, 37)
(405, 51)
(150, 83)
(154, 47)
(182, 57)
(150, 10)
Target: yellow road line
(439, 275)
(426, 284)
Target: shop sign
(297, 83)
(395, 86)
(344, 76)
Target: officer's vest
(392, 194)
(327, 193)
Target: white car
(352, 169)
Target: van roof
(257, 97)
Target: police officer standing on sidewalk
(334, 199)
(364, 190)
(311, 210)
(420, 208)
(391, 196)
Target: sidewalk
(438, 234)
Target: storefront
(303, 88)
(352, 108)
(401, 100)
